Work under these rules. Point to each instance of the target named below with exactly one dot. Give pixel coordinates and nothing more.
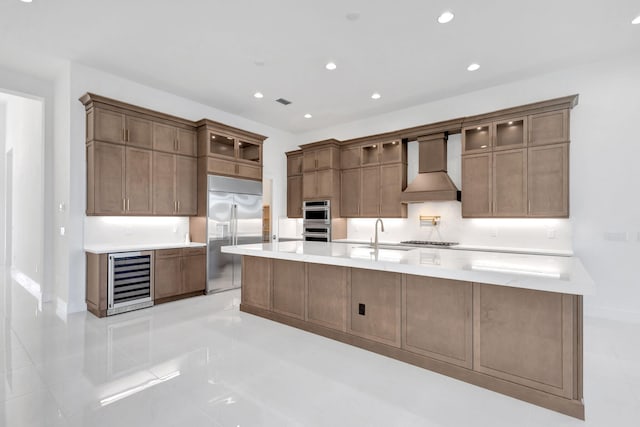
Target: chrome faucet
(375, 243)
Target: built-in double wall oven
(316, 221)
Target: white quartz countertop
(564, 274)
(110, 248)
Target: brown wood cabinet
(257, 281)
(321, 157)
(528, 337)
(289, 288)
(174, 184)
(370, 191)
(549, 128)
(350, 193)
(548, 181)
(477, 191)
(294, 184)
(179, 272)
(326, 296)
(172, 139)
(505, 134)
(118, 127)
(436, 319)
(118, 180)
(510, 183)
(374, 311)
(231, 152)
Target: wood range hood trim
(432, 182)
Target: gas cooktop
(427, 243)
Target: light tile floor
(200, 362)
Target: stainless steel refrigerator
(234, 217)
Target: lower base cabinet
(179, 272)
(523, 343)
(436, 319)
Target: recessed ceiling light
(636, 20)
(473, 67)
(331, 66)
(26, 1)
(353, 16)
(307, 116)
(258, 95)
(479, 128)
(446, 16)
(375, 95)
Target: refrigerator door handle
(235, 227)
(231, 222)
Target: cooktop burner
(427, 243)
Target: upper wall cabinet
(230, 151)
(518, 166)
(294, 184)
(126, 175)
(321, 155)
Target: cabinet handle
(128, 208)
(178, 202)
(124, 135)
(127, 135)
(124, 206)
(529, 206)
(316, 163)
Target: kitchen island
(511, 323)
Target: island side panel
(289, 288)
(525, 336)
(327, 296)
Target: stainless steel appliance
(130, 281)
(234, 214)
(316, 224)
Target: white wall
(105, 230)
(3, 133)
(604, 171)
(24, 137)
(84, 79)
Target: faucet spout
(375, 243)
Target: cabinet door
(327, 300)
(309, 161)
(194, 273)
(370, 192)
(294, 196)
(476, 185)
(324, 158)
(294, 165)
(167, 280)
(289, 288)
(139, 132)
(510, 183)
(325, 184)
(164, 137)
(525, 336)
(350, 158)
(256, 281)
(187, 140)
(186, 177)
(164, 175)
(108, 126)
(548, 181)
(138, 178)
(249, 171)
(477, 139)
(221, 167)
(108, 177)
(350, 193)
(375, 306)
(437, 319)
(310, 185)
(393, 179)
(549, 128)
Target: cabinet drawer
(194, 251)
(251, 172)
(168, 253)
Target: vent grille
(283, 101)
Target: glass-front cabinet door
(249, 151)
(222, 145)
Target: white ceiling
(207, 50)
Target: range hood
(432, 182)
